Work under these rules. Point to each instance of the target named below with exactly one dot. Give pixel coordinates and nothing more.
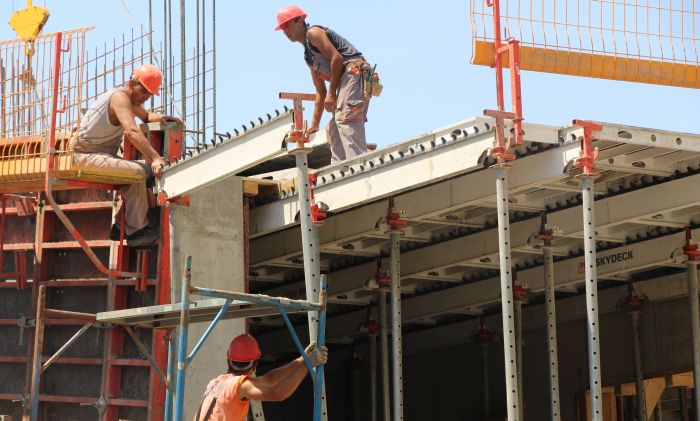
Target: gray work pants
(135, 195)
(346, 129)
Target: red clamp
(316, 213)
(383, 279)
(483, 335)
(371, 326)
(394, 218)
(500, 147)
(519, 292)
(163, 200)
(690, 249)
(588, 154)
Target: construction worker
(228, 396)
(109, 120)
(333, 59)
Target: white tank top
(98, 134)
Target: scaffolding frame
(230, 305)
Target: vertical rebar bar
(195, 77)
(638, 372)
(396, 336)
(182, 340)
(150, 39)
(692, 273)
(550, 304)
(384, 353)
(213, 64)
(203, 93)
(183, 70)
(165, 62)
(509, 351)
(372, 339)
(592, 299)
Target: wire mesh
(634, 33)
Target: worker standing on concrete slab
(105, 124)
(228, 396)
(333, 59)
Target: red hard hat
(150, 77)
(288, 13)
(244, 348)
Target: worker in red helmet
(228, 396)
(109, 121)
(332, 59)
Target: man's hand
(157, 167)
(317, 355)
(312, 129)
(330, 102)
(170, 119)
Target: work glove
(317, 355)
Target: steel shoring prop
(691, 251)
(586, 162)
(546, 235)
(552, 354)
(633, 308)
(395, 223)
(384, 354)
(519, 297)
(309, 216)
(510, 353)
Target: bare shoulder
(120, 99)
(315, 33)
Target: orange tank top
(221, 402)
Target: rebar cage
(648, 41)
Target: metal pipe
(692, 270)
(638, 374)
(169, 386)
(683, 403)
(213, 64)
(309, 238)
(589, 243)
(195, 74)
(396, 342)
(297, 342)
(373, 376)
(509, 351)
(65, 346)
(207, 332)
(183, 71)
(320, 411)
(384, 353)
(255, 298)
(182, 340)
(38, 346)
(203, 92)
(485, 378)
(550, 305)
(518, 313)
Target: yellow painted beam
(595, 65)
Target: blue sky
(422, 51)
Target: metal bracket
(587, 155)
(100, 404)
(163, 200)
(24, 322)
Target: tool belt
(371, 86)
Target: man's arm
(319, 39)
(320, 86)
(151, 117)
(280, 384)
(124, 111)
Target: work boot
(143, 236)
(115, 233)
